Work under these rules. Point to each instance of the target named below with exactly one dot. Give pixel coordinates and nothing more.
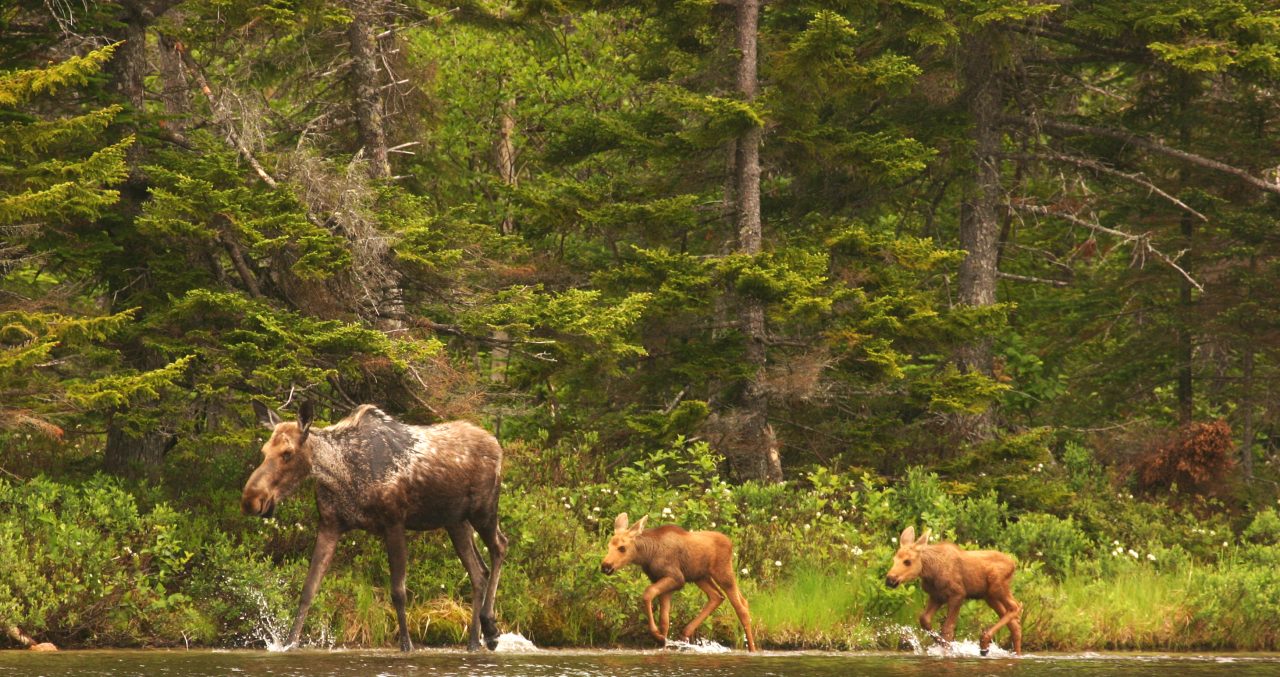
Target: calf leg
(739, 604)
(714, 598)
(326, 542)
(393, 539)
(1010, 614)
(664, 603)
(953, 616)
(659, 588)
(926, 617)
(460, 535)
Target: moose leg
(496, 541)
(664, 603)
(326, 542)
(926, 617)
(1010, 614)
(953, 616)
(659, 588)
(714, 598)
(740, 607)
(393, 539)
(460, 534)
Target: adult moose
(950, 576)
(670, 557)
(375, 473)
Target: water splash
(700, 645)
(269, 629)
(965, 648)
(514, 642)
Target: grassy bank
(100, 564)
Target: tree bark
(504, 160)
(757, 458)
(979, 216)
(175, 89)
(1246, 403)
(130, 455)
(365, 91)
(980, 219)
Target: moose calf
(670, 557)
(950, 576)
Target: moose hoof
(984, 651)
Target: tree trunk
(130, 455)
(175, 89)
(1185, 352)
(365, 90)
(504, 160)
(1246, 403)
(979, 217)
(757, 458)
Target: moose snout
(891, 581)
(606, 568)
(262, 506)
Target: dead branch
(1028, 278)
(1135, 177)
(1151, 145)
(1141, 243)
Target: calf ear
(908, 537)
(266, 416)
(306, 414)
(924, 538)
(620, 524)
(639, 526)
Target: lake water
(557, 663)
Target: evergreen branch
(1151, 145)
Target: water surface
(548, 663)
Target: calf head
(906, 562)
(286, 460)
(622, 547)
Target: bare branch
(1141, 243)
(1029, 278)
(1151, 145)
(1135, 177)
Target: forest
(806, 272)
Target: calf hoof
(984, 651)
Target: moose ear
(266, 416)
(306, 414)
(620, 524)
(908, 537)
(924, 538)
(639, 525)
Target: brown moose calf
(950, 576)
(670, 557)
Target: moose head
(622, 547)
(286, 460)
(906, 562)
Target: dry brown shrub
(1196, 457)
